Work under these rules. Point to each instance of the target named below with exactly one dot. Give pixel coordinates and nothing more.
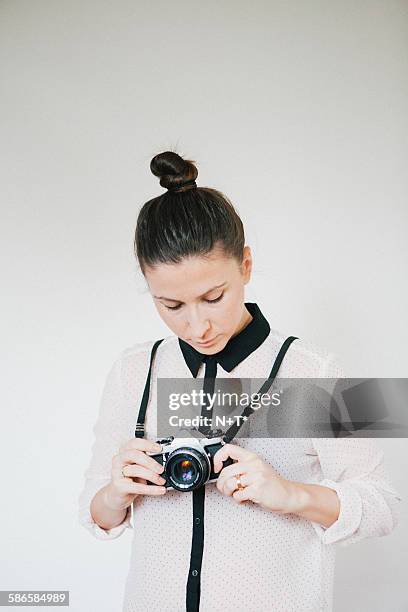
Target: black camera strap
(248, 410)
(139, 431)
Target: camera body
(188, 462)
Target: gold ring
(240, 486)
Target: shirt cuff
(348, 521)
(107, 534)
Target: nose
(198, 327)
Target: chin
(214, 348)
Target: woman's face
(202, 299)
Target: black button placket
(198, 496)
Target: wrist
(298, 497)
(314, 502)
(110, 500)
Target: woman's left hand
(261, 482)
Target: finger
(117, 474)
(145, 489)
(231, 450)
(233, 470)
(133, 470)
(139, 457)
(127, 486)
(229, 485)
(141, 444)
(242, 495)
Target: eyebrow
(161, 297)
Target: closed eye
(208, 302)
(216, 299)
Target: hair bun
(174, 171)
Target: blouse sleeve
(369, 504)
(108, 437)
(354, 468)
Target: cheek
(230, 317)
(170, 319)
(232, 322)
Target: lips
(207, 343)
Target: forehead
(190, 278)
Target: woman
(263, 535)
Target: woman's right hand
(137, 467)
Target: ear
(246, 266)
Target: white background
(298, 112)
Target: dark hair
(190, 221)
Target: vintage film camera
(188, 462)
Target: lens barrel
(187, 469)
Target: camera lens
(184, 471)
(187, 469)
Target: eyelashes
(218, 299)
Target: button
(195, 572)
(197, 520)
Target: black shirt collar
(237, 347)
